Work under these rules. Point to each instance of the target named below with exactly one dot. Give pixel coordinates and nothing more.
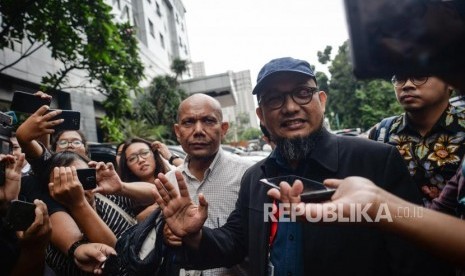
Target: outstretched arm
(184, 218)
(110, 183)
(441, 234)
(36, 126)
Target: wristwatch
(74, 246)
(173, 156)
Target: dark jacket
(328, 249)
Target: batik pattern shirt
(434, 158)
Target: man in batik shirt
(429, 135)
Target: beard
(297, 148)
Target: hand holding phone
(21, 215)
(27, 102)
(313, 191)
(88, 178)
(71, 120)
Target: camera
(6, 147)
(409, 37)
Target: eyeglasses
(134, 158)
(399, 81)
(302, 95)
(63, 144)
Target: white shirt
(220, 187)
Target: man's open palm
(181, 214)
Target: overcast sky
(245, 34)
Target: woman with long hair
(140, 162)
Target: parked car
(348, 132)
(102, 152)
(176, 149)
(234, 150)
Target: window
(162, 41)
(151, 29)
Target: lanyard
(274, 225)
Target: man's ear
(176, 131)
(322, 96)
(259, 113)
(224, 128)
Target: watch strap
(174, 156)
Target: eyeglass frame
(413, 80)
(283, 95)
(140, 154)
(61, 144)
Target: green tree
(81, 35)
(377, 101)
(158, 105)
(322, 80)
(251, 133)
(179, 67)
(325, 56)
(342, 101)
(354, 103)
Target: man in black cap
(291, 107)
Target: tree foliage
(355, 103)
(251, 133)
(325, 56)
(158, 105)
(341, 98)
(81, 35)
(377, 101)
(179, 67)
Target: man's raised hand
(182, 215)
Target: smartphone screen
(27, 102)
(20, 215)
(409, 37)
(88, 178)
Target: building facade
(162, 34)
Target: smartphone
(27, 102)
(88, 178)
(112, 265)
(20, 215)
(408, 37)
(314, 191)
(72, 120)
(5, 119)
(6, 147)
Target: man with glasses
(291, 107)
(429, 135)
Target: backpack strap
(383, 128)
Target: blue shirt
(286, 250)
